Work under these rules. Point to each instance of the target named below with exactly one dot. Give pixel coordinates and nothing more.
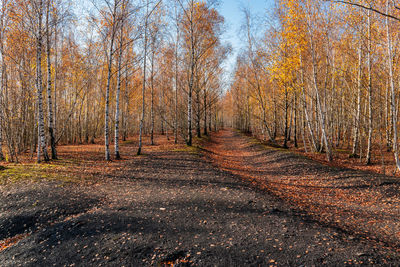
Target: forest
(111, 70)
(323, 75)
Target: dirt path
(361, 203)
(171, 207)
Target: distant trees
(201, 27)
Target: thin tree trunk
(55, 83)
(107, 104)
(309, 126)
(205, 112)
(198, 116)
(388, 119)
(303, 133)
(49, 100)
(143, 81)
(176, 82)
(39, 84)
(176, 94)
(295, 120)
(3, 70)
(319, 104)
(116, 134)
(356, 128)
(163, 130)
(210, 118)
(87, 119)
(126, 113)
(286, 118)
(191, 78)
(369, 148)
(152, 95)
(393, 93)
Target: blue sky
(231, 10)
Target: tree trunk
(143, 81)
(198, 116)
(393, 93)
(369, 148)
(107, 104)
(191, 78)
(205, 112)
(126, 109)
(55, 83)
(152, 95)
(295, 120)
(176, 98)
(3, 70)
(356, 128)
(176, 82)
(286, 118)
(116, 134)
(39, 84)
(49, 100)
(319, 104)
(307, 120)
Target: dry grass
(83, 162)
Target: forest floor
(228, 202)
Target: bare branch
(366, 8)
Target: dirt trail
(362, 203)
(172, 207)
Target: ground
(230, 202)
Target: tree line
(74, 72)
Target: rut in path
(359, 202)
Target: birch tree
(38, 8)
(392, 88)
(3, 23)
(144, 79)
(49, 79)
(145, 30)
(111, 17)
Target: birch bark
(117, 97)
(392, 89)
(39, 86)
(370, 116)
(49, 94)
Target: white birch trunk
(309, 126)
(393, 93)
(2, 72)
(356, 128)
(49, 100)
(152, 94)
(369, 147)
(39, 84)
(319, 105)
(176, 85)
(107, 100)
(116, 134)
